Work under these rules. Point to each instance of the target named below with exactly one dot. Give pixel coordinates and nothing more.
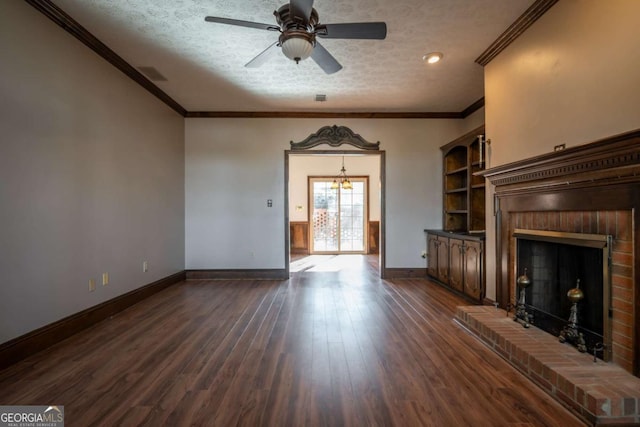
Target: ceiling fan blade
(262, 56)
(301, 9)
(240, 23)
(325, 60)
(354, 30)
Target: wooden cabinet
(456, 253)
(473, 270)
(438, 260)
(432, 258)
(456, 264)
(443, 260)
(464, 192)
(457, 261)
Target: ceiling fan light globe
(297, 48)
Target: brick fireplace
(593, 189)
(616, 223)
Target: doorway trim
(365, 220)
(336, 136)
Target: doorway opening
(347, 223)
(339, 216)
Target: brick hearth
(619, 225)
(602, 393)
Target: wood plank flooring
(332, 346)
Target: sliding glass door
(339, 216)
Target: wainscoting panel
(299, 232)
(374, 237)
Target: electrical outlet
(92, 285)
(105, 279)
(145, 266)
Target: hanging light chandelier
(342, 180)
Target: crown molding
(70, 25)
(338, 115)
(472, 108)
(323, 115)
(66, 22)
(531, 15)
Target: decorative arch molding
(335, 136)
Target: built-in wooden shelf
(464, 191)
(459, 170)
(457, 190)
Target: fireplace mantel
(591, 188)
(611, 160)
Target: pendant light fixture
(342, 180)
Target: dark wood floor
(327, 347)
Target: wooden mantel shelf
(614, 158)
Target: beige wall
(571, 78)
(303, 166)
(91, 176)
(233, 166)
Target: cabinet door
(456, 264)
(473, 270)
(443, 259)
(432, 260)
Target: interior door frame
(365, 237)
(382, 156)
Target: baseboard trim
(404, 273)
(35, 341)
(252, 274)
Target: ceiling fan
(299, 26)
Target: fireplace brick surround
(615, 223)
(592, 188)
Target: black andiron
(525, 318)
(570, 332)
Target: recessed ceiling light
(432, 58)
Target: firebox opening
(555, 261)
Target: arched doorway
(335, 137)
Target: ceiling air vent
(153, 74)
(321, 98)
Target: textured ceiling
(204, 62)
